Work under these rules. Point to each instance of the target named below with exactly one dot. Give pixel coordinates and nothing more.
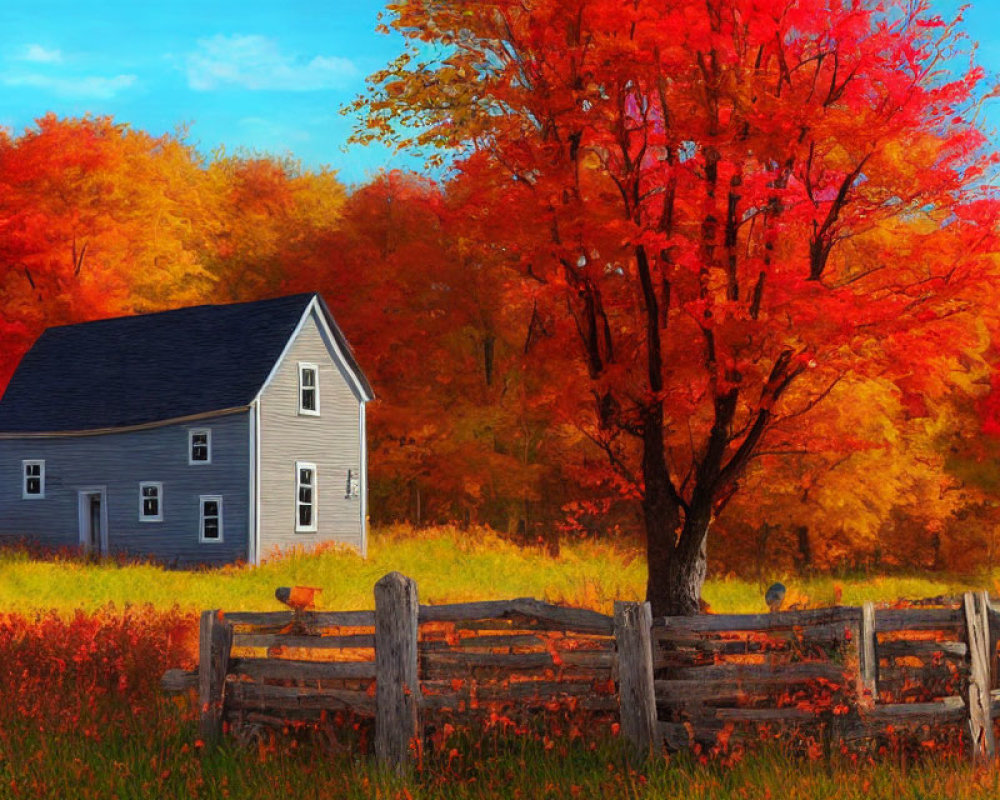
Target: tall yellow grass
(449, 564)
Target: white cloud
(274, 134)
(93, 87)
(256, 62)
(37, 54)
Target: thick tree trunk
(677, 565)
(690, 563)
(661, 511)
(687, 577)
(660, 537)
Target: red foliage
(91, 672)
(719, 210)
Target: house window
(200, 446)
(33, 480)
(308, 389)
(210, 529)
(353, 484)
(150, 502)
(305, 496)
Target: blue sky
(270, 76)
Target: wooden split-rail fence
(837, 675)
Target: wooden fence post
(866, 651)
(636, 692)
(977, 625)
(397, 685)
(215, 644)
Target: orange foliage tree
(95, 220)
(268, 213)
(452, 436)
(98, 220)
(726, 207)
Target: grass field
(82, 647)
(449, 565)
(143, 763)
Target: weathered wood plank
(948, 709)
(977, 624)
(772, 639)
(497, 674)
(929, 674)
(256, 696)
(518, 661)
(473, 642)
(570, 619)
(685, 694)
(705, 727)
(361, 640)
(707, 650)
(781, 620)
(670, 700)
(205, 628)
(215, 644)
(994, 626)
(279, 718)
(914, 619)
(510, 661)
(636, 693)
(901, 716)
(778, 673)
(921, 648)
(397, 693)
(764, 714)
(179, 680)
(292, 669)
(890, 619)
(467, 702)
(513, 690)
(868, 660)
(309, 619)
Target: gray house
(203, 435)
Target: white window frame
(208, 444)
(353, 487)
(314, 368)
(33, 462)
(299, 466)
(217, 498)
(159, 502)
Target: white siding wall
(331, 440)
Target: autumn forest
(728, 288)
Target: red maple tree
(727, 205)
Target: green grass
(133, 765)
(449, 565)
(135, 743)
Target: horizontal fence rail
(838, 674)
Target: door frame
(83, 517)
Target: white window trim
(208, 442)
(159, 501)
(300, 465)
(303, 366)
(24, 478)
(201, 518)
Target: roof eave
(124, 428)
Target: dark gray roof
(151, 367)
